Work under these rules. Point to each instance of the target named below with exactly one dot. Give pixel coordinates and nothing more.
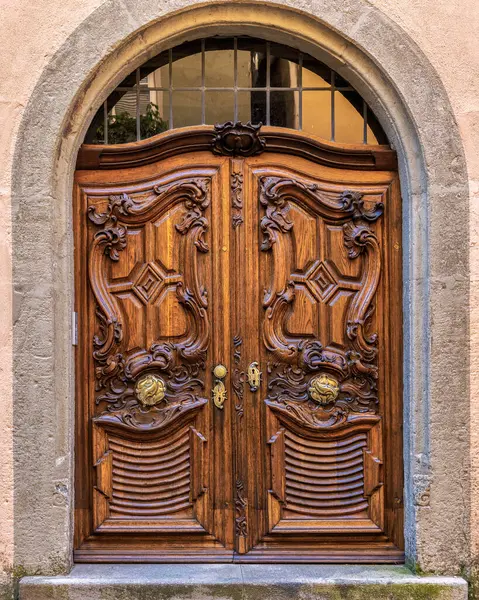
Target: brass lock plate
(219, 393)
(254, 377)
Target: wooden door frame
(205, 137)
(241, 141)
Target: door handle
(219, 391)
(254, 376)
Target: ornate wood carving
(156, 487)
(182, 362)
(241, 527)
(297, 357)
(324, 271)
(308, 477)
(309, 284)
(237, 198)
(277, 140)
(238, 379)
(238, 139)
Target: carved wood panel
(287, 272)
(148, 346)
(328, 273)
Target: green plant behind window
(122, 126)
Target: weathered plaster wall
(446, 31)
(31, 34)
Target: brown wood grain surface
(245, 256)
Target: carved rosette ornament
(345, 386)
(136, 398)
(235, 139)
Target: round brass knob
(220, 371)
(324, 389)
(150, 389)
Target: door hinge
(74, 328)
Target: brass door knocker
(324, 389)
(150, 390)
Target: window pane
(186, 109)
(349, 122)
(252, 107)
(211, 77)
(317, 113)
(219, 107)
(154, 117)
(251, 69)
(374, 126)
(339, 82)
(285, 109)
(121, 126)
(219, 63)
(251, 63)
(284, 73)
(315, 74)
(187, 68)
(125, 104)
(159, 78)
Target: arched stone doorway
(434, 189)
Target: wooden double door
(239, 350)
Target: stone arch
(407, 96)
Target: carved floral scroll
(295, 360)
(181, 363)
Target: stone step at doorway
(241, 582)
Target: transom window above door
(221, 79)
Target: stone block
(241, 582)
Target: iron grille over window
(241, 79)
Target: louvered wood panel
(151, 479)
(325, 478)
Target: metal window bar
(170, 86)
(235, 72)
(268, 83)
(239, 88)
(138, 122)
(203, 88)
(333, 87)
(365, 123)
(235, 89)
(300, 99)
(105, 122)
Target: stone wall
(423, 58)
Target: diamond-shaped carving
(322, 282)
(147, 284)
